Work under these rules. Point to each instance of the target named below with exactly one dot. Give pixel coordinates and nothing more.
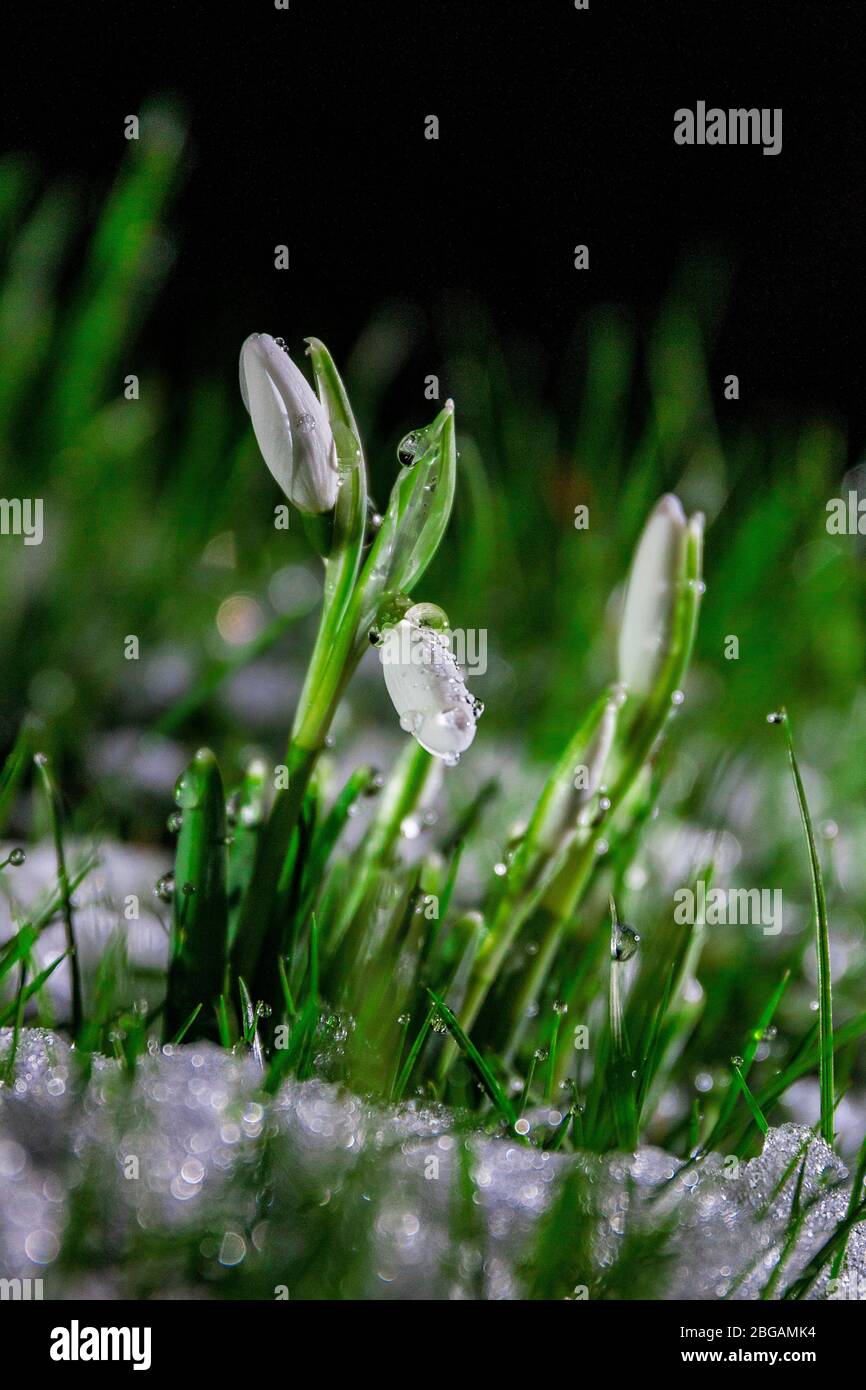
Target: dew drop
(175, 821)
(184, 791)
(164, 888)
(17, 857)
(408, 449)
(428, 615)
(625, 942)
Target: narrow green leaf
(199, 933)
(33, 988)
(470, 1051)
(185, 1026)
(822, 946)
(750, 1100)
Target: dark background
(556, 127)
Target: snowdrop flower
(290, 424)
(428, 690)
(654, 582)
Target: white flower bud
(428, 691)
(290, 424)
(651, 597)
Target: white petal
(650, 599)
(427, 690)
(268, 412)
(298, 430)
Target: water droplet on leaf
(625, 942)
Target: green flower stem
(568, 890)
(571, 880)
(399, 798)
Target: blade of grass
(822, 944)
(753, 1105)
(24, 994)
(199, 932)
(473, 1056)
(185, 1027)
(854, 1201)
(55, 811)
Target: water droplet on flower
(427, 615)
(410, 720)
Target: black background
(556, 127)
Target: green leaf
(199, 933)
(473, 1056)
(414, 523)
(34, 987)
(822, 947)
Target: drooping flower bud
(290, 424)
(654, 583)
(427, 689)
